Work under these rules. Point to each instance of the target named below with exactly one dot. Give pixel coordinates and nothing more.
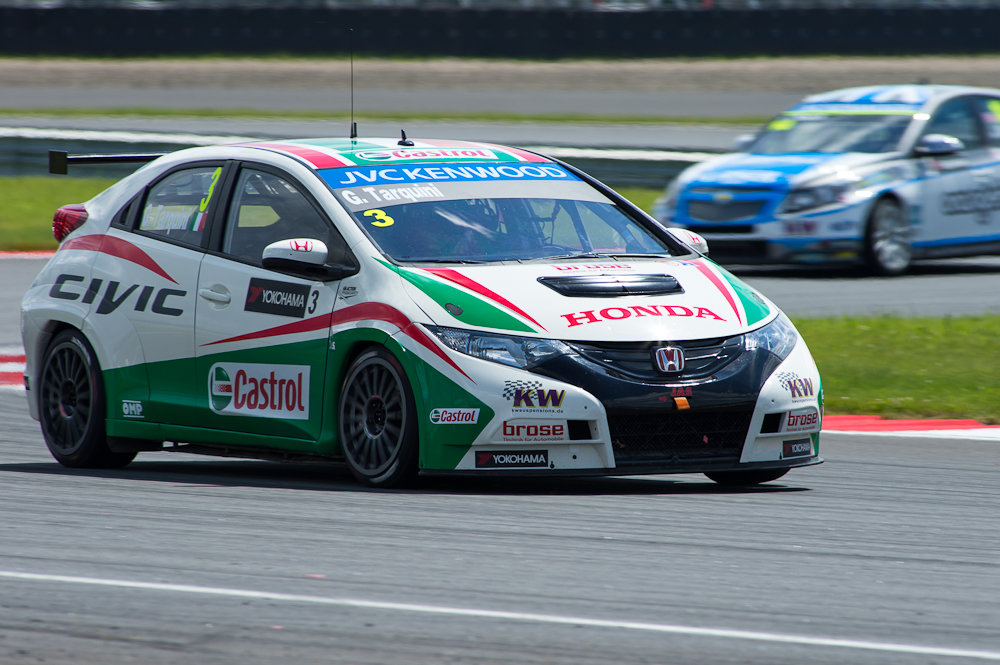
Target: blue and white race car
(876, 175)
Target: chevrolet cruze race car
(405, 307)
(875, 175)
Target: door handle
(214, 296)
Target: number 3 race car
(405, 307)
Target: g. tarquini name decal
(281, 298)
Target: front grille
(702, 357)
(676, 438)
(731, 211)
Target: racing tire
(745, 478)
(887, 242)
(377, 416)
(72, 405)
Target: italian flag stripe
(462, 280)
(114, 246)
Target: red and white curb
(46, 254)
(12, 379)
(11, 369)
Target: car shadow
(328, 477)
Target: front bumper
(750, 412)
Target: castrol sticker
(263, 391)
(454, 416)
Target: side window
(177, 206)
(989, 112)
(267, 208)
(957, 118)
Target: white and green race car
(406, 307)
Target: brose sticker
(263, 391)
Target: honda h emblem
(301, 245)
(670, 359)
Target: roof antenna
(404, 141)
(350, 40)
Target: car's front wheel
(71, 405)
(378, 430)
(746, 478)
(887, 239)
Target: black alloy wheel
(72, 405)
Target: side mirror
(305, 257)
(743, 142)
(938, 145)
(690, 238)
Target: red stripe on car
(462, 280)
(114, 246)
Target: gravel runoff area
(798, 75)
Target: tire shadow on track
(322, 477)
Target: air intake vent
(610, 286)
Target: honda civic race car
(875, 175)
(405, 307)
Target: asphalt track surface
(889, 553)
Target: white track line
(527, 617)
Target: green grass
(908, 367)
(29, 203)
(895, 367)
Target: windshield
(833, 133)
(551, 216)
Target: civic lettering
(113, 295)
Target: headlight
(523, 352)
(815, 197)
(778, 337)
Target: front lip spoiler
(638, 469)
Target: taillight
(68, 219)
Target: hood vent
(611, 286)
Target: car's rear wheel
(378, 430)
(71, 405)
(887, 239)
(745, 478)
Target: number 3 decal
(381, 219)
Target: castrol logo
(259, 390)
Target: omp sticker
(260, 390)
(132, 408)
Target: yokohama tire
(887, 243)
(378, 430)
(72, 405)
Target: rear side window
(989, 113)
(177, 206)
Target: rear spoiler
(60, 160)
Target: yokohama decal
(118, 248)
